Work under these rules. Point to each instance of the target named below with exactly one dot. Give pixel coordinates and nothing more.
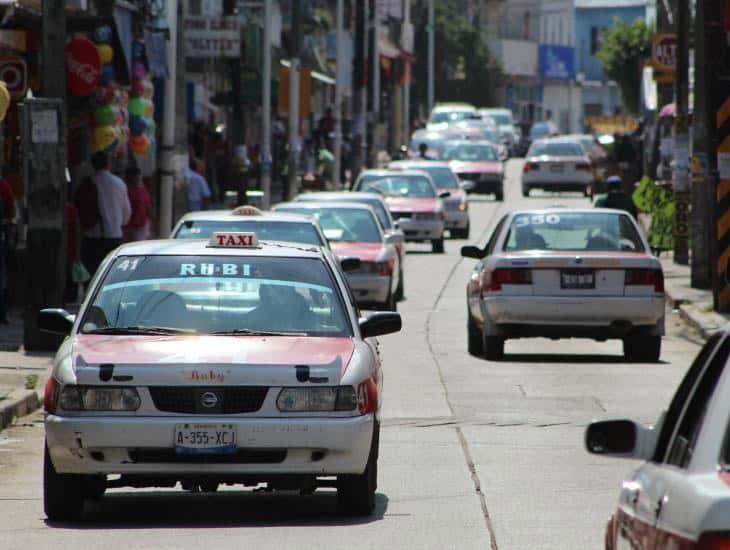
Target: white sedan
(557, 164)
(564, 273)
(206, 362)
(679, 498)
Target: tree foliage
(624, 47)
(463, 68)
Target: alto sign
(664, 51)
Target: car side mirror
(444, 194)
(350, 264)
(396, 225)
(466, 185)
(380, 323)
(472, 252)
(393, 238)
(56, 321)
(621, 438)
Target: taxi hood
(208, 360)
(475, 167)
(406, 204)
(367, 252)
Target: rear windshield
(540, 130)
(343, 224)
(416, 187)
(434, 144)
(377, 205)
(502, 120)
(295, 232)
(443, 177)
(216, 294)
(573, 231)
(556, 150)
(450, 116)
(470, 152)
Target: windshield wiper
(252, 332)
(138, 330)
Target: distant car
(540, 130)
(444, 114)
(413, 201)
(505, 126)
(354, 232)
(679, 497)
(456, 205)
(434, 142)
(557, 164)
(598, 156)
(478, 162)
(566, 273)
(267, 225)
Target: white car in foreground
(563, 273)
(679, 498)
(207, 362)
(557, 164)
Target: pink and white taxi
(566, 273)
(207, 362)
(478, 162)
(679, 497)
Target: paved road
(473, 454)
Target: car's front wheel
(525, 191)
(63, 494)
(437, 246)
(356, 492)
(499, 195)
(400, 292)
(642, 348)
(475, 344)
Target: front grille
(241, 456)
(425, 216)
(189, 400)
(451, 205)
(397, 215)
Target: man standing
(198, 190)
(114, 210)
(616, 197)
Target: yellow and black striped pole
(722, 285)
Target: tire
(461, 233)
(209, 486)
(493, 348)
(356, 492)
(399, 292)
(475, 339)
(94, 487)
(643, 348)
(63, 494)
(390, 303)
(499, 195)
(526, 191)
(437, 246)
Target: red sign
(664, 51)
(83, 67)
(14, 73)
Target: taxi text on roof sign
(233, 240)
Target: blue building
(592, 18)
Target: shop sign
(83, 66)
(14, 72)
(556, 62)
(664, 51)
(211, 37)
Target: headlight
(317, 399)
(98, 398)
(463, 205)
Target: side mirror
(393, 238)
(444, 194)
(350, 264)
(466, 185)
(56, 321)
(380, 323)
(472, 252)
(621, 438)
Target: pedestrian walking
(198, 190)
(7, 219)
(140, 221)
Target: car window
(573, 231)
(683, 442)
(434, 144)
(415, 187)
(538, 130)
(470, 152)
(501, 119)
(295, 232)
(449, 116)
(217, 294)
(681, 395)
(489, 249)
(556, 150)
(443, 177)
(343, 224)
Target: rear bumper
(457, 219)
(416, 230)
(369, 289)
(558, 184)
(129, 445)
(486, 187)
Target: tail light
(530, 167)
(50, 395)
(377, 268)
(583, 167)
(713, 541)
(645, 277)
(505, 276)
(367, 396)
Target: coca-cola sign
(83, 67)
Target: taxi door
(474, 286)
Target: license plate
(205, 438)
(577, 279)
(556, 167)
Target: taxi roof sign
(229, 239)
(246, 210)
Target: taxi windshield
(343, 224)
(295, 232)
(443, 177)
(216, 295)
(470, 152)
(561, 149)
(415, 187)
(573, 231)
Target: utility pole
(680, 170)
(431, 52)
(407, 79)
(363, 130)
(266, 111)
(167, 169)
(294, 68)
(338, 93)
(376, 83)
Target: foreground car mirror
(444, 194)
(466, 185)
(621, 438)
(472, 252)
(393, 238)
(380, 323)
(350, 264)
(56, 321)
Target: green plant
(31, 381)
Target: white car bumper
(141, 445)
(417, 230)
(369, 289)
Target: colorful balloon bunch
(141, 108)
(110, 116)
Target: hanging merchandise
(137, 125)
(149, 89)
(149, 108)
(105, 95)
(83, 67)
(137, 89)
(105, 115)
(104, 138)
(139, 144)
(136, 107)
(138, 51)
(138, 70)
(106, 53)
(107, 75)
(103, 34)
(4, 100)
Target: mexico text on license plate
(577, 278)
(205, 438)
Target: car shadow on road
(573, 358)
(177, 509)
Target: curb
(18, 403)
(704, 322)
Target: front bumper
(369, 289)
(418, 230)
(114, 445)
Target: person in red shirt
(138, 228)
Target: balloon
(138, 70)
(137, 125)
(105, 116)
(103, 138)
(149, 89)
(106, 53)
(4, 100)
(138, 50)
(105, 95)
(149, 108)
(103, 34)
(107, 74)
(136, 107)
(139, 144)
(137, 89)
